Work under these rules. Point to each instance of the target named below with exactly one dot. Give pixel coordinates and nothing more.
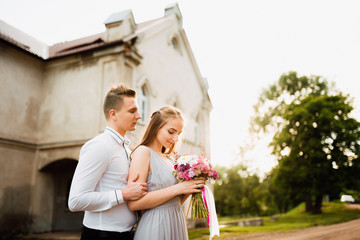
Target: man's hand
(134, 190)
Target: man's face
(127, 116)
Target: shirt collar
(120, 139)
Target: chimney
(119, 25)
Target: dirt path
(341, 231)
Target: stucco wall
(75, 89)
(15, 186)
(20, 97)
(71, 100)
(20, 94)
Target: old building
(51, 104)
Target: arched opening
(61, 172)
(175, 43)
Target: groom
(99, 186)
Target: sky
(240, 46)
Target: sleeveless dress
(166, 221)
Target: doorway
(62, 172)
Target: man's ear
(112, 114)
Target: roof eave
(19, 47)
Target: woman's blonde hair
(158, 119)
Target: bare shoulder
(140, 163)
(141, 154)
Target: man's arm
(93, 161)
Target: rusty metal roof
(32, 45)
(78, 45)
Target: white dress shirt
(100, 175)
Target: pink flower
(189, 166)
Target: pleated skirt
(165, 222)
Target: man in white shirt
(99, 186)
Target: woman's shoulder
(142, 148)
(141, 152)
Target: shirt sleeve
(93, 162)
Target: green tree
(277, 198)
(237, 192)
(273, 102)
(317, 148)
(316, 141)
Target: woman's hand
(191, 186)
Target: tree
(273, 102)
(237, 192)
(277, 199)
(316, 143)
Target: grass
(297, 218)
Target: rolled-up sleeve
(93, 162)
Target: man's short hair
(115, 97)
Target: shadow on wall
(14, 218)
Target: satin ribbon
(207, 208)
(210, 207)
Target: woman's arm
(140, 164)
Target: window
(197, 132)
(143, 103)
(175, 43)
(197, 129)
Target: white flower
(193, 160)
(183, 160)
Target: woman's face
(169, 133)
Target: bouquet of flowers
(188, 167)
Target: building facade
(51, 104)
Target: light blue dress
(166, 221)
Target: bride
(162, 218)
